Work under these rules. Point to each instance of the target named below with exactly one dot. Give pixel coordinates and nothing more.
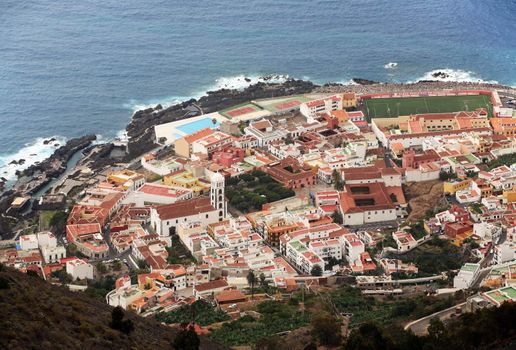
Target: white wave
(165, 102)
(391, 65)
(240, 82)
(347, 82)
(33, 152)
(453, 75)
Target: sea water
(68, 68)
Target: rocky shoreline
(140, 129)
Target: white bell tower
(217, 199)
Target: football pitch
(394, 107)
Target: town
(351, 197)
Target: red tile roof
(186, 208)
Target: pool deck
(170, 131)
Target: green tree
(101, 267)
(263, 282)
(436, 331)
(118, 322)
(367, 337)
(142, 264)
(58, 221)
(251, 280)
(337, 217)
(117, 265)
(338, 184)
(186, 339)
(316, 270)
(326, 329)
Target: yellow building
(183, 145)
(455, 185)
(460, 238)
(127, 179)
(349, 100)
(509, 196)
(185, 179)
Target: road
(420, 326)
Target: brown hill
(38, 315)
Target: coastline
(141, 126)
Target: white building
(28, 242)
(264, 132)
(404, 241)
(79, 269)
(151, 193)
(466, 276)
(353, 247)
(503, 253)
(53, 254)
(312, 108)
(166, 218)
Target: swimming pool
(191, 127)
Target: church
(165, 218)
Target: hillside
(36, 314)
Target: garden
(249, 192)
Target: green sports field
(394, 107)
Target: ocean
(68, 68)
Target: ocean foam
(33, 152)
(135, 105)
(391, 65)
(454, 75)
(240, 82)
(237, 82)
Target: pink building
(229, 156)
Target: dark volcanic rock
(55, 165)
(361, 81)
(440, 75)
(141, 132)
(46, 142)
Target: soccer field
(394, 107)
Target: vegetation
(316, 270)
(38, 314)
(178, 253)
(337, 217)
(326, 329)
(338, 183)
(100, 288)
(491, 328)
(446, 175)
(62, 276)
(251, 191)
(200, 312)
(101, 267)
(275, 317)
(118, 322)
(186, 339)
(369, 309)
(251, 280)
(434, 257)
(506, 159)
(418, 230)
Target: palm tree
(251, 279)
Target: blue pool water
(197, 125)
